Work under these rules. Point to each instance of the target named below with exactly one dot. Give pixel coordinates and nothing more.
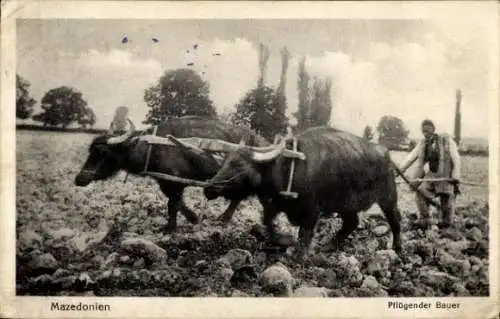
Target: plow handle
(415, 189)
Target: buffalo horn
(124, 137)
(270, 155)
(186, 145)
(277, 138)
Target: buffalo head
(105, 159)
(241, 172)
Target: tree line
(61, 106)
(182, 92)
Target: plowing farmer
(440, 152)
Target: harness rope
(148, 155)
(103, 160)
(224, 182)
(221, 183)
(203, 184)
(155, 128)
(166, 176)
(288, 191)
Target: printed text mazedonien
(56, 306)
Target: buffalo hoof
(258, 232)
(335, 245)
(224, 219)
(299, 259)
(399, 251)
(444, 225)
(299, 255)
(169, 229)
(422, 224)
(193, 218)
(281, 240)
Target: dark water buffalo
(108, 155)
(342, 173)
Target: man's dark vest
(431, 154)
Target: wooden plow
(214, 146)
(420, 180)
(428, 199)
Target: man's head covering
(121, 112)
(428, 122)
(119, 122)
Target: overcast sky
(405, 68)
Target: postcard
(233, 159)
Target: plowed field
(105, 239)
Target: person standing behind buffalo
(440, 152)
(119, 124)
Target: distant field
(468, 146)
(482, 142)
(69, 223)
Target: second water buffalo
(341, 173)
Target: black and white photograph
(250, 157)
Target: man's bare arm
(455, 157)
(411, 158)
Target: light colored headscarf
(119, 122)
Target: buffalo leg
(394, 219)
(389, 205)
(228, 214)
(306, 233)
(350, 221)
(175, 203)
(174, 198)
(188, 213)
(268, 217)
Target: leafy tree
(87, 118)
(458, 117)
(315, 102)
(280, 92)
(179, 92)
(327, 93)
(61, 106)
(269, 121)
(303, 114)
(226, 117)
(392, 131)
(24, 102)
(263, 59)
(262, 109)
(368, 133)
(321, 103)
(263, 101)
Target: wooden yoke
(217, 146)
(214, 145)
(288, 192)
(148, 154)
(195, 148)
